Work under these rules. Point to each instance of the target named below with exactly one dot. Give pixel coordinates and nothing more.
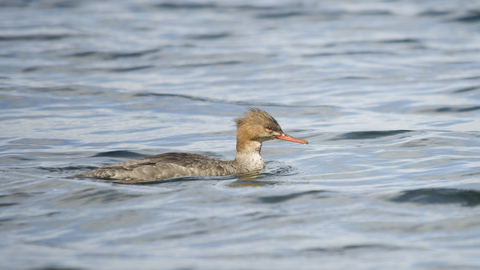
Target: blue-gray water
(386, 92)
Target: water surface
(387, 93)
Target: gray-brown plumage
(255, 127)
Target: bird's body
(254, 128)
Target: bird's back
(164, 166)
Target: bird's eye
(269, 128)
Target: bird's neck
(248, 153)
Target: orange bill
(289, 138)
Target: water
(386, 92)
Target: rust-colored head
(260, 126)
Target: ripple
(219, 101)
(129, 69)
(187, 5)
(467, 89)
(473, 16)
(217, 6)
(33, 37)
(435, 13)
(224, 63)
(17, 196)
(469, 198)
(401, 40)
(349, 53)
(446, 109)
(281, 15)
(284, 198)
(119, 154)
(361, 135)
(15, 3)
(112, 55)
(67, 168)
(209, 36)
(349, 248)
(94, 196)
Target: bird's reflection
(251, 180)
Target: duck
(253, 128)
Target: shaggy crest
(259, 117)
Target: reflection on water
(251, 183)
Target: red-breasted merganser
(255, 127)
